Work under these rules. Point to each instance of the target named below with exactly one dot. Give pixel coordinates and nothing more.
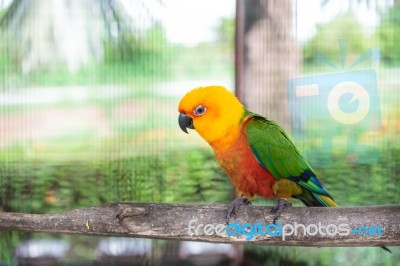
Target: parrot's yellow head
(214, 112)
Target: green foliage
(5, 60)
(2, 12)
(389, 37)
(370, 184)
(210, 60)
(197, 178)
(226, 33)
(326, 40)
(143, 56)
(190, 175)
(205, 60)
(146, 51)
(45, 187)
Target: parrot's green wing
(276, 152)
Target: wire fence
(88, 112)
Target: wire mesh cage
(89, 92)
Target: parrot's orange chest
(242, 167)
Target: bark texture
(171, 221)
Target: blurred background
(88, 114)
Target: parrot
(256, 153)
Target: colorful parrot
(255, 152)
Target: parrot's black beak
(185, 122)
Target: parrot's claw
(279, 207)
(234, 207)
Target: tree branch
(171, 221)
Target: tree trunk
(271, 57)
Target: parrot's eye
(199, 110)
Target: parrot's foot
(234, 207)
(279, 207)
